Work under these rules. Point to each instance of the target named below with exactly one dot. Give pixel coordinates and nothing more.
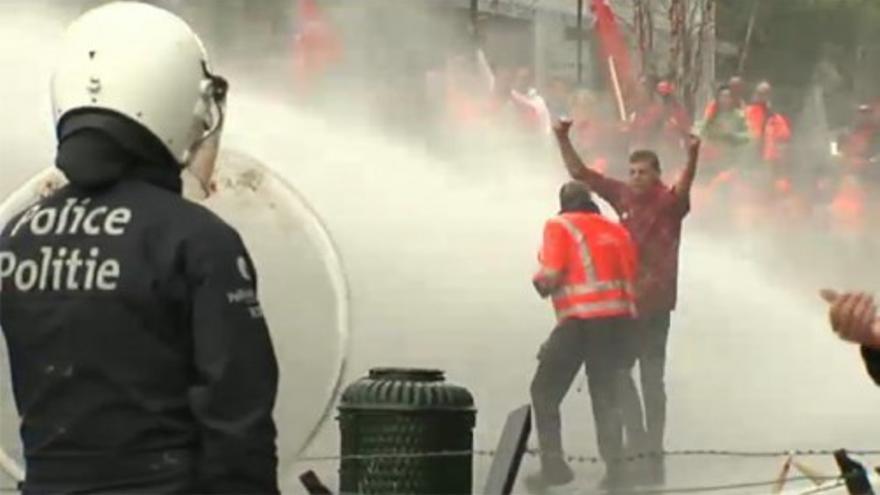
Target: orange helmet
(665, 88)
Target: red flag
(316, 45)
(612, 44)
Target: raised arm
(608, 189)
(686, 181)
(576, 168)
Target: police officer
(140, 358)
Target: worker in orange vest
(663, 125)
(725, 132)
(588, 268)
(770, 182)
(768, 128)
(858, 146)
(737, 90)
(466, 98)
(848, 207)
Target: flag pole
(618, 93)
(580, 41)
(475, 12)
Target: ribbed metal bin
(391, 420)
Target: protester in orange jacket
(769, 129)
(737, 87)
(848, 207)
(466, 95)
(663, 124)
(860, 143)
(726, 138)
(588, 268)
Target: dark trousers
(167, 471)
(601, 347)
(651, 335)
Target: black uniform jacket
(139, 354)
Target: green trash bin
(391, 424)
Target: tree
(690, 26)
(791, 39)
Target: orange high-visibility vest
(770, 129)
(848, 208)
(597, 261)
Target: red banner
(613, 45)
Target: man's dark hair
(645, 156)
(575, 196)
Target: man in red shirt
(653, 213)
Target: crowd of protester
(754, 173)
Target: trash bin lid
(406, 389)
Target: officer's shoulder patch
(244, 269)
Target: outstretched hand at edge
(853, 317)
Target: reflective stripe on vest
(593, 283)
(596, 307)
(585, 289)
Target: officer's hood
(575, 196)
(97, 149)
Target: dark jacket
(872, 362)
(139, 354)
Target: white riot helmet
(145, 63)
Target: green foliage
(790, 36)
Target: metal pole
(475, 12)
(618, 94)
(748, 41)
(580, 41)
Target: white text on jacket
(57, 266)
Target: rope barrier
(840, 481)
(590, 459)
(634, 458)
(672, 491)
(727, 487)
(769, 454)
